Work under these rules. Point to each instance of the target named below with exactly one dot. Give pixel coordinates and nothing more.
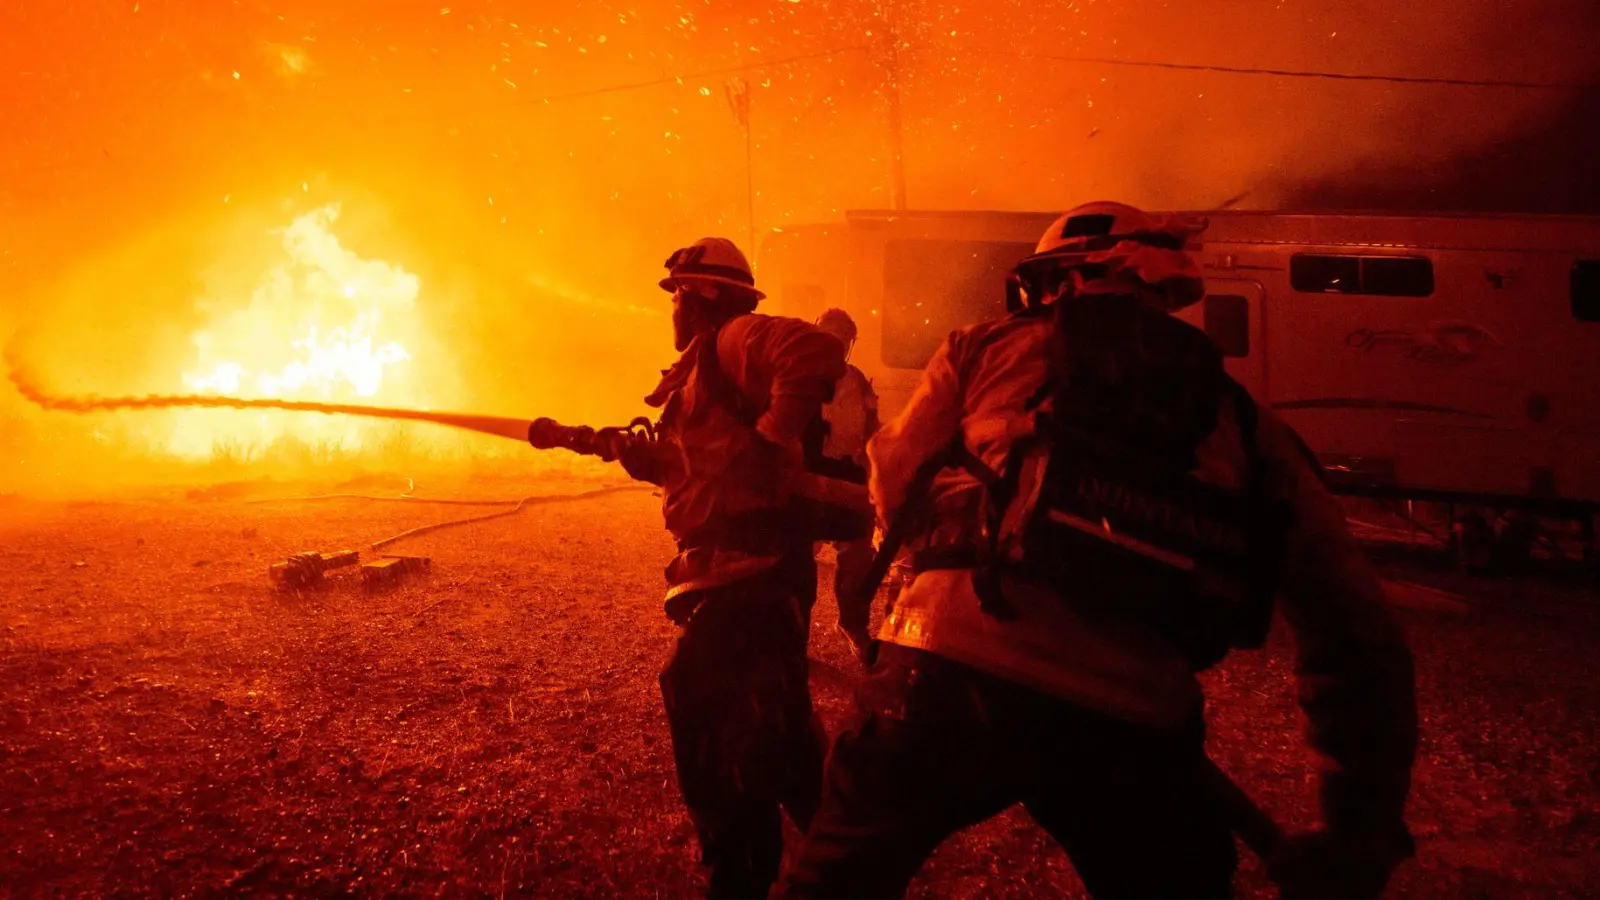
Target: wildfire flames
(321, 324)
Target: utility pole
(738, 93)
(897, 162)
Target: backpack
(1101, 502)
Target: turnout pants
(936, 746)
(744, 736)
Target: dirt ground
(169, 725)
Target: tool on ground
(305, 569)
(381, 574)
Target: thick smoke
(1026, 128)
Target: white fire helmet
(711, 259)
(838, 323)
(1110, 248)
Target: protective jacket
(733, 409)
(852, 416)
(979, 393)
(836, 443)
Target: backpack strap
(718, 386)
(955, 455)
(1000, 487)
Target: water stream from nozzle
(29, 388)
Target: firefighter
(847, 421)
(745, 738)
(1103, 514)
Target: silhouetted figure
(734, 406)
(1102, 513)
(840, 448)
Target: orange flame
(323, 324)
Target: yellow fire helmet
(711, 259)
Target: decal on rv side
(1444, 343)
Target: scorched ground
(168, 725)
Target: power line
(647, 83)
(1299, 73)
(1087, 60)
(696, 76)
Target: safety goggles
(1036, 281)
(1041, 278)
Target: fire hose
(541, 433)
(545, 434)
(1254, 826)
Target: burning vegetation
(342, 314)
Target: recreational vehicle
(1450, 358)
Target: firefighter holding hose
(1100, 514)
(733, 409)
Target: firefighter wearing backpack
(1101, 514)
(744, 736)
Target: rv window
(1227, 321)
(1586, 290)
(931, 288)
(1325, 274)
(1386, 276)
(1397, 276)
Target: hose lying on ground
(403, 498)
(517, 506)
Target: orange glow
(528, 173)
